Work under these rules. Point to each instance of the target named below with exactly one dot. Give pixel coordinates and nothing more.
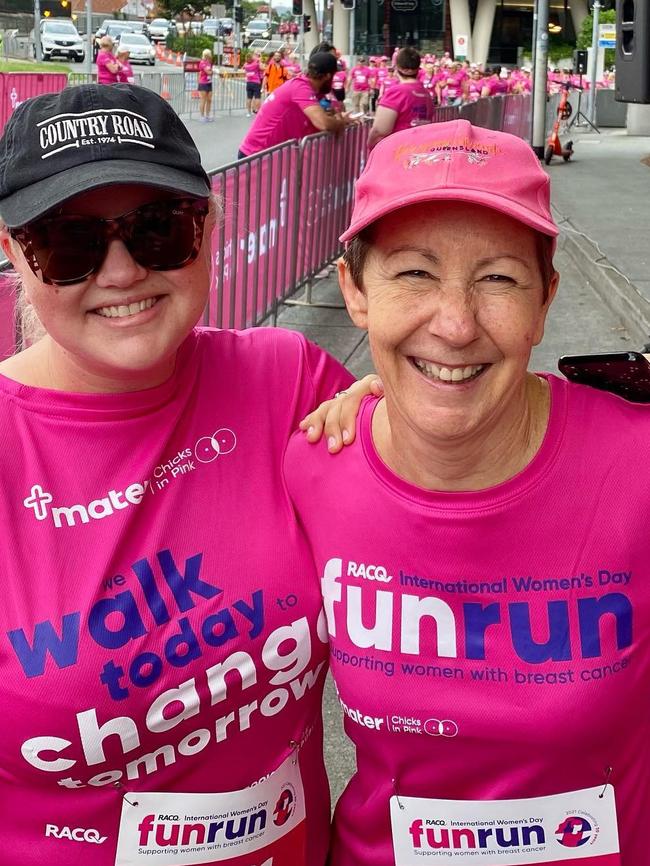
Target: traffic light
(239, 14)
(306, 23)
(297, 7)
(56, 9)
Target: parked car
(259, 28)
(60, 38)
(160, 28)
(211, 27)
(141, 27)
(139, 47)
(227, 25)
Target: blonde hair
(106, 41)
(206, 53)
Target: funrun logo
(574, 831)
(163, 831)
(76, 834)
(435, 835)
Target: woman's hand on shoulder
(336, 418)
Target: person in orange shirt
(276, 74)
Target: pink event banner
(252, 247)
(16, 87)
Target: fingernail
(310, 431)
(331, 442)
(346, 436)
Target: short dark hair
(322, 48)
(356, 253)
(322, 63)
(408, 58)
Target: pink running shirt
(360, 78)
(205, 72)
(104, 74)
(494, 644)
(282, 116)
(253, 70)
(411, 101)
(149, 548)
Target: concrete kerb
(613, 288)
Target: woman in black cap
(163, 653)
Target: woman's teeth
(126, 309)
(447, 374)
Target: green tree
(608, 16)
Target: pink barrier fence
(16, 87)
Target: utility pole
(37, 30)
(540, 73)
(89, 35)
(593, 61)
(237, 33)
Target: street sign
(460, 47)
(607, 36)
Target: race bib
(260, 826)
(561, 829)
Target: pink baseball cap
(453, 161)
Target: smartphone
(356, 114)
(624, 373)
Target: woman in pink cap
(483, 545)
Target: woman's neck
(480, 460)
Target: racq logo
(75, 834)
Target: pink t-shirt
(338, 82)
(495, 644)
(148, 548)
(360, 78)
(125, 73)
(254, 72)
(104, 75)
(282, 116)
(205, 72)
(411, 101)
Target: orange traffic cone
(164, 90)
(179, 60)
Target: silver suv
(59, 38)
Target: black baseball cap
(323, 63)
(93, 135)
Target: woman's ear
(354, 296)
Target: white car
(159, 29)
(260, 28)
(59, 38)
(139, 48)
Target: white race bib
(577, 826)
(263, 825)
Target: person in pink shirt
(360, 79)
(483, 546)
(108, 66)
(125, 72)
(205, 85)
(254, 71)
(474, 85)
(163, 649)
(408, 104)
(452, 87)
(293, 111)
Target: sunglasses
(165, 235)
